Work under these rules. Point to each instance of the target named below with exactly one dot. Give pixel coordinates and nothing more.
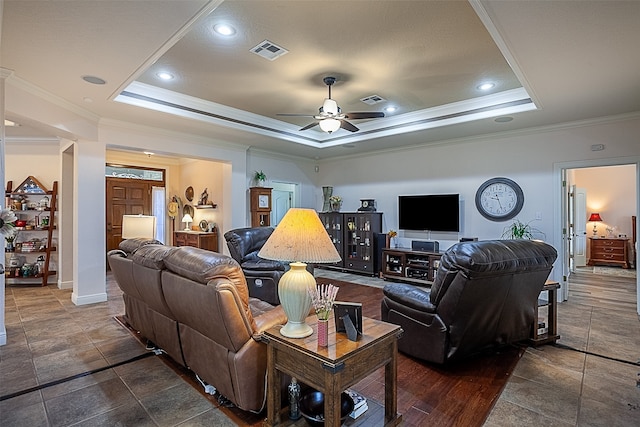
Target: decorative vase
(335, 206)
(323, 333)
(327, 192)
(259, 183)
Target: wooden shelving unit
(40, 220)
(416, 267)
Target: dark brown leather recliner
(484, 296)
(262, 274)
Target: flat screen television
(435, 212)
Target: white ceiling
(552, 62)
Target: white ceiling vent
(373, 99)
(269, 50)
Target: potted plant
(260, 178)
(521, 230)
(336, 203)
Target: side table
(552, 316)
(333, 369)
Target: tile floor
(49, 338)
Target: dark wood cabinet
(354, 236)
(198, 239)
(417, 267)
(609, 251)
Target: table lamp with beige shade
(299, 238)
(143, 226)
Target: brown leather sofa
(194, 304)
(484, 296)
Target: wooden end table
(333, 369)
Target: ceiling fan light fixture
(330, 107)
(330, 125)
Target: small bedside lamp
(299, 238)
(187, 220)
(595, 218)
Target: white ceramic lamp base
(293, 290)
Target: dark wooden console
(417, 267)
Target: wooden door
(124, 197)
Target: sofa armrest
(410, 296)
(268, 320)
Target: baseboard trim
(88, 299)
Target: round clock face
(365, 203)
(499, 199)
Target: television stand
(406, 265)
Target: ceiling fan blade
(365, 115)
(295, 115)
(309, 126)
(348, 126)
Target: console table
(418, 267)
(609, 251)
(333, 369)
(198, 239)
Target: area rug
(459, 394)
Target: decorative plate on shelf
(204, 225)
(188, 193)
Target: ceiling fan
(330, 117)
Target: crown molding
(20, 83)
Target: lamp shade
(300, 236)
(330, 125)
(594, 217)
(138, 226)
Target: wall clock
(499, 199)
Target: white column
(4, 74)
(89, 235)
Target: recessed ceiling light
(149, 153)
(486, 86)
(390, 109)
(10, 123)
(94, 80)
(165, 76)
(87, 100)
(224, 29)
(503, 119)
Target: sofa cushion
(489, 258)
(202, 266)
(151, 255)
(130, 245)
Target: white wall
(611, 191)
(461, 167)
(291, 170)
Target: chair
(262, 274)
(484, 296)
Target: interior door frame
(560, 213)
